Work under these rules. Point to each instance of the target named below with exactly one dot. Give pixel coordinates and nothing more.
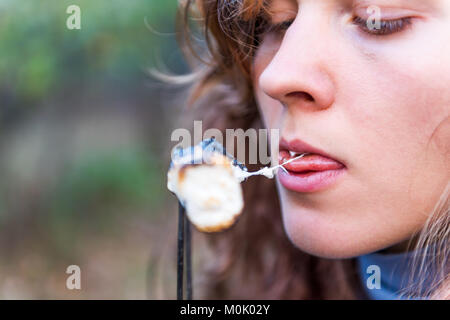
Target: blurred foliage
(100, 191)
(108, 179)
(39, 54)
(82, 126)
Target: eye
(386, 27)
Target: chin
(326, 236)
(321, 246)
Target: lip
(312, 173)
(300, 146)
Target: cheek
(397, 120)
(270, 109)
(396, 110)
(404, 87)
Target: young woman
(364, 85)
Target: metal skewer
(184, 239)
(180, 254)
(188, 255)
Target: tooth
(292, 153)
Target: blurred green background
(84, 144)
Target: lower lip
(309, 182)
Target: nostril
(300, 95)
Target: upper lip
(299, 146)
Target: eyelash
(387, 27)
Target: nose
(299, 75)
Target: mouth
(313, 172)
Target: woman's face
(374, 105)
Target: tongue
(310, 162)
